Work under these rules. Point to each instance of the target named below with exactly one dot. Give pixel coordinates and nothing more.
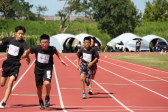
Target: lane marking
(105, 91)
(138, 65)
(134, 70)
(133, 82)
(21, 77)
(59, 92)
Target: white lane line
(106, 91)
(134, 83)
(134, 70)
(59, 92)
(139, 65)
(21, 77)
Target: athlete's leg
(48, 89)
(39, 92)
(3, 81)
(9, 88)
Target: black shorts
(42, 75)
(85, 70)
(10, 68)
(137, 48)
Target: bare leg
(9, 88)
(48, 87)
(83, 82)
(3, 81)
(39, 92)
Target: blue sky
(55, 5)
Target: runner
(11, 66)
(94, 68)
(88, 57)
(44, 66)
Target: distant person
(79, 46)
(137, 47)
(43, 67)
(11, 66)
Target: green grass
(2, 52)
(156, 61)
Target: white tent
(60, 41)
(132, 43)
(128, 40)
(54, 42)
(63, 40)
(80, 37)
(149, 38)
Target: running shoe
(90, 92)
(2, 105)
(84, 96)
(47, 101)
(41, 104)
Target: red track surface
(118, 87)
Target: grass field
(156, 61)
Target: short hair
(44, 36)
(20, 28)
(87, 38)
(94, 39)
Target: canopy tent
(128, 41)
(132, 43)
(80, 37)
(64, 40)
(54, 42)
(153, 39)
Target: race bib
(87, 57)
(43, 58)
(13, 50)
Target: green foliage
(37, 28)
(156, 11)
(115, 16)
(16, 9)
(152, 28)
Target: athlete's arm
(92, 62)
(1, 43)
(60, 58)
(26, 55)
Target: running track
(119, 86)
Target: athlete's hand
(64, 63)
(90, 64)
(27, 60)
(77, 67)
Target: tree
(41, 9)
(115, 16)
(71, 6)
(156, 11)
(12, 9)
(5, 6)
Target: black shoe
(90, 92)
(2, 105)
(41, 104)
(47, 101)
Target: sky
(54, 6)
